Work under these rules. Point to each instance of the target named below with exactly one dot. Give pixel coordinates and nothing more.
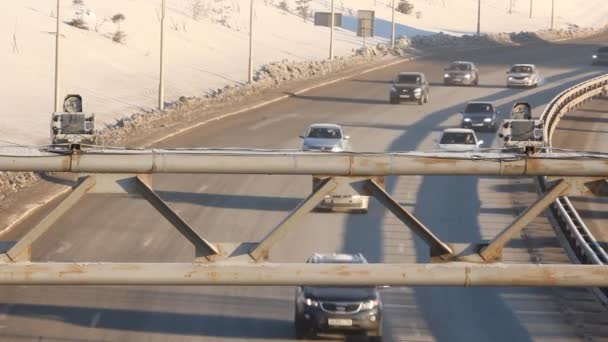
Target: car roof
(461, 62)
(458, 130)
(527, 65)
(480, 102)
(320, 258)
(325, 125)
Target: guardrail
(581, 245)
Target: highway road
(244, 208)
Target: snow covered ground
(206, 46)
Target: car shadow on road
(214, 200)
(191, 324)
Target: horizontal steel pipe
(451, 274)
(307, 163)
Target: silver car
(523, 75)
(331, 138)
(325, 137)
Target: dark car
(600, 56)
(410, 86)
(344, 310)
(480, 115)
(459, 72)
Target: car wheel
(394, 100)
(421, 100)
(476, 81)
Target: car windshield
(603, 50)
(460, 67)
(478, 108)
(522, 69)
(324, 133)
(410, 79)
(461, 138)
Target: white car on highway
(459, 140)
(325, 137)
(523, 75)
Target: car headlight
(467, 76)
(487, 120)
(311, 302)
(370, 304)
(336, 148)
(527, 79)
(417, 90)
(446, 76)
(594, 56)
(467, 119)
(510, 78)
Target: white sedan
(459, 140)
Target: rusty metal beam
(202, 247)
(312, 163)
(291, 274)
(22, 249)
(494, 250)
(260, 252)
(438, 248)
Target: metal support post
(57, 102)
(494, 250)
(291, 274)
(261, 251)
(250, 70)
(437, 247)
(531, 7)
(393, 25)
(478, 17)
(331, 32)
(552, 14)
(161, 81)
(24, 245)
(202, 247)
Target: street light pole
(552, 13)
(331, 32)
(393, 27)
(161, 82)
(57, 35)
(531, 5)
(250, 74)
(478, 17)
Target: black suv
(411, 86)
(600, 56)
(480, 115)
(346, 310)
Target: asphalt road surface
(244, 208)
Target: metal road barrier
(581, 245)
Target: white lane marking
(272, 121)
(147, 241)
(95, 320)
(4, 310)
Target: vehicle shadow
(250, 202)
(204, 325)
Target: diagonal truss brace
(260, 252)
(493, 251)
(21, 251)
(202, 247)
(437, 247)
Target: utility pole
(552, 13)
(531, 5)
(161, 83)
(57, 35)
(250, 74)
(478, 17)
(331, 32)
(393, 27)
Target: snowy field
(206, 46)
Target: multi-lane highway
(244, 208)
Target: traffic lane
(171, 251)
(589, 123)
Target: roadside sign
(324, 19)
(365, 23)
